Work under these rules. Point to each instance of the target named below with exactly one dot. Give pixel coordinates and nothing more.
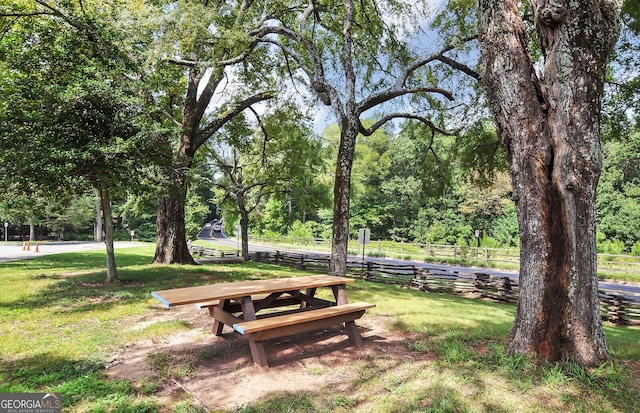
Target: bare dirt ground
(218, 374)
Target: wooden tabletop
(191, 295)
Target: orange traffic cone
(29, 246)
(37, 250)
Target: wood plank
(259, 302)
(248, 327)
(224, 317)
(311, 325)
(192, 295)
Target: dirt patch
(634, 369)
(218, 373)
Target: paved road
(12, 251)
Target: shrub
(300, 230)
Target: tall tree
(349, 55)
(262, 159)
(67, 89)
(548, 117)
(214, 47)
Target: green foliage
(275, 160)
(504, 228)
(618, 209)
(480, 154)
(72, 104)
(611, 246)
(323, 227)
(274, 217)
(300, 230)
(196, 210)
(489, 242)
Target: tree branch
(27, 14)
(67, 19)
(229, 114)
(382, 121)
(188, 63)
(264, 132)
(437, 56)
(459, 66)
(389, 94)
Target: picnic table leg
(311, 292)
(257, 347)
(257, 353)
(350, 327)
(217, 324)
(352, 331)
(340, 294)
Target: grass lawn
(60, 324)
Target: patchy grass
(60, 322)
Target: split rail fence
(618, 307)
(428, 251)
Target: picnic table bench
(236, 305)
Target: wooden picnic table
(237, 305)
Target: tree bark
(171, 238)
(32, 231)
(341, 198)
(244, 228)
(548, 122)
(98, 228)
(105, 202)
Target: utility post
(6, 226)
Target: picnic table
(240, 305)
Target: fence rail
(428, 251)
(616, 306)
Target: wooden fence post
(619, 315)
(481, 282)
(504, 291)
(369, 271)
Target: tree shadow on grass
(81, 287)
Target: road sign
(364, 236)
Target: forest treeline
(398, 192)
(408, 187)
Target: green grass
(60, 323)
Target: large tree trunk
(341, 199)
(171, 239)
(105, 202)
(549, 126)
